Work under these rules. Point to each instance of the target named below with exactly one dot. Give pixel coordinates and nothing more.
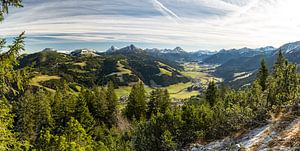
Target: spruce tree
(263, 74)
(98, 105)
(12, 83)
(63, 105)
(7, 138)
(5, 6)
(211, 93)
(279, 65)
(33, 113)
(159, 102)
(82, 113)
(137, 105)
(73, 137)
(283, 86)
(76, 136)
(112, 103)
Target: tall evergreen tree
(6, 123)
(263, 74)
(12, 83)
(159, 102)
(73, 137)
(98, 105)
(112, 103)
(5, 6)
(76, 136)
(256, 97)
(63, 105)
(137, 105)
(283, 86)
(82, 113)
(279, 64)
(211, 93)
(33, 113)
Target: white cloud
(195, 24)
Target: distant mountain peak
(205, 52)
(132, 47)
(128, 49)
(112, 49)
(290, 47)
(84, 51)
(247, 50)
(49, 49)
(178, 49)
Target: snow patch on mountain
(290, 47)
(166, 51)
(247, 50)
(279, 134)
(84, 52)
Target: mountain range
(156, 67)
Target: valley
(183, 74)
(117, 69)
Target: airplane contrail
(163, 9)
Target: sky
(190, 24)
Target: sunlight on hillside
(41, 78)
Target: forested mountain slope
(239, 69)
(123, 68)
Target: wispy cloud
(165, 10)
(193, 24)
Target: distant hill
(178, 54)
(241, 69)
(225, 55)
(155, 67)
(89, 68)
(148, 67)
(291, 51)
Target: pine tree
(159, 102)
(256, 99)
(63, 105)
(44, 140)
(33, 112)
(76, 136)
(137, 105)
(282, 86)
(98, 105)
(82, 113)
(12, 83)
(167, 141)
(263, 74)
(7, 137)
(112, 101)
(5, 4)
(279, 64)
(223, 90)
(165, 102)
(211, 93)
(73, 137)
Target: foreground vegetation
(33, 118)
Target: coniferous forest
(33, 118)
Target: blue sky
(191, 24)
